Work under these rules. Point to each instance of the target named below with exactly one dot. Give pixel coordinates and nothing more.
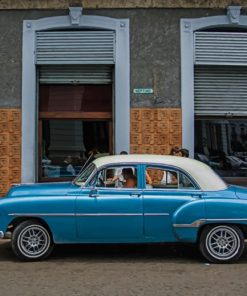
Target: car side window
(167, 179)
(116, 177)
(185, 182)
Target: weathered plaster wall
(154, 42)
(11, 53)
(62, 4)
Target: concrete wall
(155, 51)
(61, 4)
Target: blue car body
(82, 214)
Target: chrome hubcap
(34, 241)
(223, 242)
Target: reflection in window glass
(75, 98)
(167, 179)
(161, 178)
(66, 145)
(222, 144)
(185, 182)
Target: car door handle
(93, 193)
(196, 195)
(135, 194)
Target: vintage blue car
(129, 199)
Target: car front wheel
(31, 241)
(222, 243)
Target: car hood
(40, 189)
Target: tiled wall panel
(10, 148)
(155, 131)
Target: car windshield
(81, 179)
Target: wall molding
(100, 4)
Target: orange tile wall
(155, 131)
(10, 148)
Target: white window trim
(29, 157)
(187, 29)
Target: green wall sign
(143, 90)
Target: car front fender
(58, 212)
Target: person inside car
(131, 182)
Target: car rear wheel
(222, 243)
(31, 241)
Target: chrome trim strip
(231, 219)
(156, 214)
(85, 214)
(70, 215)
(109, 214)
(194, 224)
(122, 214)
(40, 214)
(199, 222)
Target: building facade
(107, 76)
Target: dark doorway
(73, 120)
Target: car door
(163, 198)
(108, 213)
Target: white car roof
(206, 178)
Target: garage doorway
(74, 120)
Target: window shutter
(75, 74)
(220, 48)
(220, 90)
(75, 47)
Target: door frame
(29, 154)
(188, 26)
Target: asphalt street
(120, 270)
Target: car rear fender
(226, 210)
(188, 219)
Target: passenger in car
(120, 176)
(131, 182)
(174, 178)
(126, 172)
(148, 179)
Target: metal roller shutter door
(220, 90)
(76, 74)
(220, 48)
(75, 47)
